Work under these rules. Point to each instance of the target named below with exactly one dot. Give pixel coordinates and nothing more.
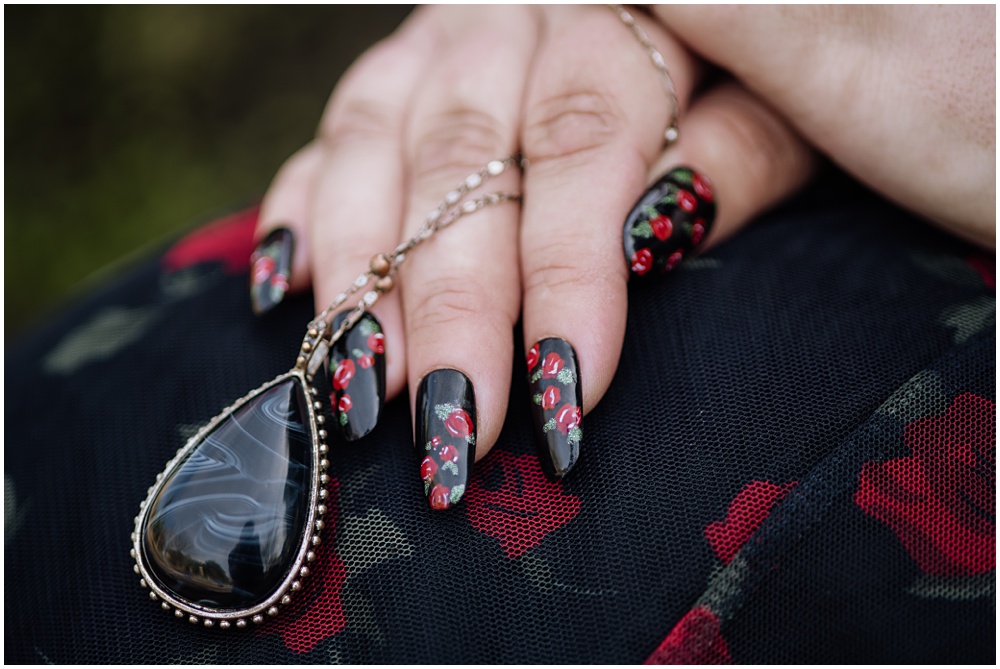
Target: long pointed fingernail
(668, 222)
(557, 404)
(270, 269)
(357, 376)
(446, 435)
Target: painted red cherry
(568, 417)
(673, 261)
(698, 231)
(662, 227)
(428, 468)
(702, 186)
(440, 497)
(550, 398)
(532, 357)
(345, 403)
(279, 280)
(551, 365)
(642, 261)
(449, 452)
(686, 201)
(344, 374)
(435, 441)
(366, 361)
(376, 342)
(459, 423)
(262, 269)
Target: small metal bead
(473, 181)
(304, 572)
(671, 134)
(159, 477)
(310, 556)
(321, 509)
(313, 392)
(323, 494)
(370, 298)
(165, 606)
(287, 599)
(133, 536)
(224, 625)
(257, 619)
(323, 449)
(495, 167)
(273, 611)
(313, 332)
(301, 360)
(452, 197)
(131, 552)
(320, 419)
(322, 434)
(385, 284)
(324, 463)
(142, 583)
(319, 527)
(296, 585)
(152, 596)
(316, 541)
(209, 623)
(142, 504)
(317, 406)
(361, 281)
(178, 613)
(241, 623)
(306, 346)
(469, 207)
(380, 264)
(135, 568)
(193, 620)
(324, 479)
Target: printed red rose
(532, 357)
(673, 260)
(522, 506)
(459, 424)
(662, 227)
(941, 500)
(449, 452)
(686, 201)
(568, 417)
(702, 186)
(345, 404)
(695, 639)
(440, 497)
(376, 342)
(428, 468)
(228, 240)
(642, 261)
(747, 512)
(698, 231)
(551, 366)
(343, 374)
(262, 269)
(550, 398)
(366, 361)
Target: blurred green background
(124, 125)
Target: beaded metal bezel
(310, 540)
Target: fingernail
(668, 222)
(270, 268)
(446, 435)
(357, 376)
(557, 404)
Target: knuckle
(449, 300)
(360, 120)
(568, 124)
(553, 274)
(457, 140)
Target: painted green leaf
(682, 176)
(566, 375)
(450, 466)
(427, 487)
(428, 446)
(343, 419)
(537, 398)
(650, 211)
(357, 352)
(444, 410)
(368, 326)
(471, 439)
(575, 435)
(537, 375)
(551, 425)
(643, 230)
(457, 492)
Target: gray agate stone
(226, 526)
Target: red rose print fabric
(696, 639)
(524, 509)
(941, 500)
(228, 240)
(746, 513)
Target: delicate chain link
(385, 266)
(671, 134)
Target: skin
(456, 87)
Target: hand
(904, 98)
(457, 87)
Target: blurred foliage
(126, 124)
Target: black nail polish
(357, 376)
(668, 222)
(557, 404)
(270, 269)
(446, 435)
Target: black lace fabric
(796, 462)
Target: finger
(280, 262)
(461, 291)
(754, 158)
(356, 212)
(594, 121)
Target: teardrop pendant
(223, 536)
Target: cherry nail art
(357, 376)
(270, 269)
(668, 222)
(557, 404)
(446, 435)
